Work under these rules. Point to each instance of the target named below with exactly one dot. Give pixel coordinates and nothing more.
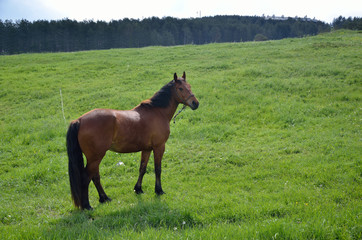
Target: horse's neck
(170, 110)
(166, 112)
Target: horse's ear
(175, 77)
(184, 76)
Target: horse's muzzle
(194, 105)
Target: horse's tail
(75, 164)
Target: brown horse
(145, 128)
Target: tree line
(69, 35)
(347, 23)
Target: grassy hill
(274, 150)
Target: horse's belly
(128, 147)
(131, 139)
(135, 140)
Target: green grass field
(273, 152)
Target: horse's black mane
(161, 98)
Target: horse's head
(184, 93)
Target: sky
(107, 10)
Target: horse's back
(98, 120)
(96, 131)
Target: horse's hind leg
(85, 197)
(102, 195)
(92, 170)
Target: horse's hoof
(138, 191)
(104, 199)
(89, 208)
(160, 192)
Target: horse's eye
(181, 89)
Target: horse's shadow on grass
(144, 214)
(154, 213)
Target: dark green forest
(67, 35)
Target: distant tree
(215, 34)
(10, 38)
(187, 34)
(282, 30)
(260, 37)
(2, 37)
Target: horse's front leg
(145, 156)
(158, 154)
